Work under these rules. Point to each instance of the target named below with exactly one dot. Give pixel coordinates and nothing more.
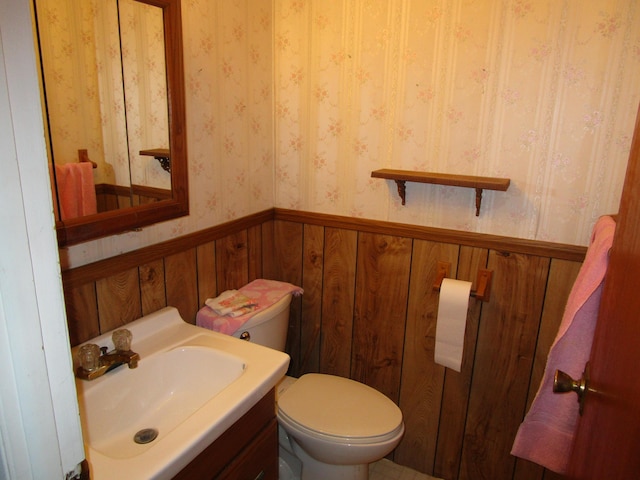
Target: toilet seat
(339, 410)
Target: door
(607, 443)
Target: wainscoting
(114, 197)
(368, 313)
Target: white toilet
(330, 427)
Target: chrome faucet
(95, 361)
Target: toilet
(330, 427)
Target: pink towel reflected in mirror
(76, 190)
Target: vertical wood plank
(382, 285)
(457, 385)
(338, 299)
(504, 357)
(422, 378)
(118, 299)
(268, 251)
(562, 275)
(312, 262)
(288, 236)
(182, 279)
(82, 313)
(254, 252)
(232, 261)
(152, 290)
(206, 263)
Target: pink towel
(262, 292)
(76, 190)
(546, 434)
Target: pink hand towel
(546, 434)
(76, 190)
(263, 293)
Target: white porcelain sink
(190, 385)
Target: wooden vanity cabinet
(248, 450)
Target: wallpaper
(543, 92)
(292, 103)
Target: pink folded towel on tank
(261, 293)
(76, 190)
(546, 434)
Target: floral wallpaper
(292, 103)
(144, 74)
(543, 92)
(73, 99)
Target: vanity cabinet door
(259, 460)
(248, 450)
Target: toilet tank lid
(339, 406)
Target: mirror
(113, 98)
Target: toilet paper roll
(451, 322)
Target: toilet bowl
(338, 426)
(330, 427)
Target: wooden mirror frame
(82, 229)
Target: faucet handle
(122, 340)
(89, 356)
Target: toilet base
(289, 466)
(335, 472)
(313, 469)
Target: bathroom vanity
(197, 405)
(247, 450)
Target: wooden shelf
(466, 181)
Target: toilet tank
(269, 326)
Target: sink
(191, 384)
(158, 395)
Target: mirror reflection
(105, 96)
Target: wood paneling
(119, 299)
(382, 281)
(181, 283)
(254, 252)
(312, 267)
(152, 287)
(82, 312)
(338, 297)
(562, 275)
(232, 261)
(268, 247)
(456, 237)
(457, 385)
(369, 313)
(207, 285)
(287, 266)
(504, 356)
(421, 392)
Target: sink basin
(191, 384)
(158, 395)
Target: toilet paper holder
(483, 281)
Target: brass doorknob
(563, 383)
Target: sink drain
(146, 435)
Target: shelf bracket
(478, 201)
(402, 190)
(162, 155)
